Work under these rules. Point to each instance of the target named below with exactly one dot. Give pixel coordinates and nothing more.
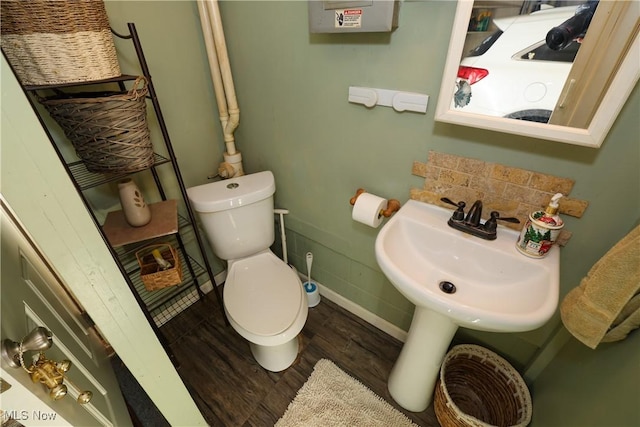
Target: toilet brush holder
(313, 294)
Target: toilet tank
(237, 214)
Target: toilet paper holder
(393, 205)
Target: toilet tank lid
(232, 193)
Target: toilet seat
(262, 294)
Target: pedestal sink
(457, 280)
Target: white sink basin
(497, 289)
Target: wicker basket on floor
(151, 274)
(58, 41)
(108, 130)
(479, 388)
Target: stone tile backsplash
(508, 190)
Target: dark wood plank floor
(231, 389)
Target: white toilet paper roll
(367, 209)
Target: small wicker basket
(108, 130)
(58, 41)
(152, 275)
(479, 388)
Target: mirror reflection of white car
(513, 73)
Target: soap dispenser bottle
(541, 230)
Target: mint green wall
(296, 121)
(584, 387)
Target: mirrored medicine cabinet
(605, 70)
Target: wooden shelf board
(164, 221)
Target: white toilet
(263, 297)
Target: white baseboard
(373, 319)
(219, 278)
(369, 317)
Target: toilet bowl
(265, 303)
(263, 298)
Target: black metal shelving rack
(125, 256)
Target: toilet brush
(313, 296)
(309, 257)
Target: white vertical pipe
(211, 22)
(214, 66)
(225, 69)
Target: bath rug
(331, 398)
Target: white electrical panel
(358, 16)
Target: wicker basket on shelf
(58, 41)
(479, 388)
(153, 275)
(108, 130)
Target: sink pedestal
(413, 377)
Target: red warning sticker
(348, 18)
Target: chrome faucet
(471, 223)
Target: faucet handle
(458, 215)
(510, 219)
(492, 223)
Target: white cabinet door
(32, 295)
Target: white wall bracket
(400, 101)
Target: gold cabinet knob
(85, 397)
(58, 392)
